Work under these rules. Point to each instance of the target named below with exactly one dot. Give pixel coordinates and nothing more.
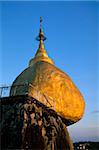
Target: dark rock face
(27, 124)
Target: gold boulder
(50, 86)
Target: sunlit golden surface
(50, 86)
(53, 85)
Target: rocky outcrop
(28, 124)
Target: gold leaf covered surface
(53, 88)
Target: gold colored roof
(50, 86)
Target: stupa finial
(41, 54)
(41, 36)
(41, 22)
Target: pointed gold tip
(41, 38)
(41, 54)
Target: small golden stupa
(52, 87)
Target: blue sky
(72, 35)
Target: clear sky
(72, 35)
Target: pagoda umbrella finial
(41, 54)
(41, 36)
(41, 22)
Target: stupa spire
(41, 54)
(41, 36)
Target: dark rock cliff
(28, 124)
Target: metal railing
(6, 91)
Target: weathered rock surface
(28, 124)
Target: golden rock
(51, 86)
